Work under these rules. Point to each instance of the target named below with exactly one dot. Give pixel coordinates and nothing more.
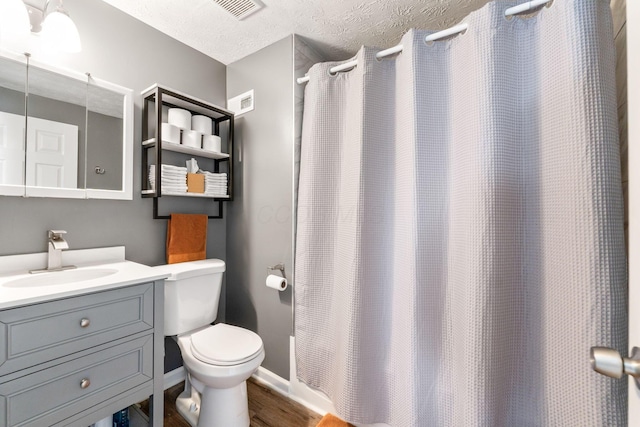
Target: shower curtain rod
(515, 10)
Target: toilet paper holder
(277, 267)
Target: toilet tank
(191, 294)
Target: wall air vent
(240, 8)
(242, 103)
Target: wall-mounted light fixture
(14, 23)
(46, 18)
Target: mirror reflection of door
(13, 74)
(52, 154)
(11, 149)
(56, 130)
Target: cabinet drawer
(54, 394)
(41, 332)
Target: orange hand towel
(186, 238)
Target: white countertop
(16, 267)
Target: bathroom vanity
(79, 345)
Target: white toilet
(218, 359)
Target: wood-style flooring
(266, 409)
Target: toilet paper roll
(211, 143)
(276, 282)
(191, 138)
(179, 117)
(170, 133)
(202, 124)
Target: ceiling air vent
(240, 8)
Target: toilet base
(214, 407)
(188, 406)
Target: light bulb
(15, 27)
(59, 32)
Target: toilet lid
(225, 345)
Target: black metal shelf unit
(154, 99)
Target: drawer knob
(85, 323)
(85, 383)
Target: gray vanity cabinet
(76, 360)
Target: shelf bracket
(156, 214)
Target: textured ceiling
(337, 28)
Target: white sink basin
(60, 277)
(99, 269)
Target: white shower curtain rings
(449, 32)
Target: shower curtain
(460, 226)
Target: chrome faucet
(56, 245)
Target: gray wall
(260, 218)
(134, 56)
(120, 49)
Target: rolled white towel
(165, 166)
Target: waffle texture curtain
(460, 226)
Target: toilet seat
(225, 345)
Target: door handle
(607, 361)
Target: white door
(11, 149)
(52, 154)
(608, 361)
(633, 57)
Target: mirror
(13, 78)
(79, 133)
(56, 129)
(105, 131)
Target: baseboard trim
(174, 377)
(283, 387)
(271, 380)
